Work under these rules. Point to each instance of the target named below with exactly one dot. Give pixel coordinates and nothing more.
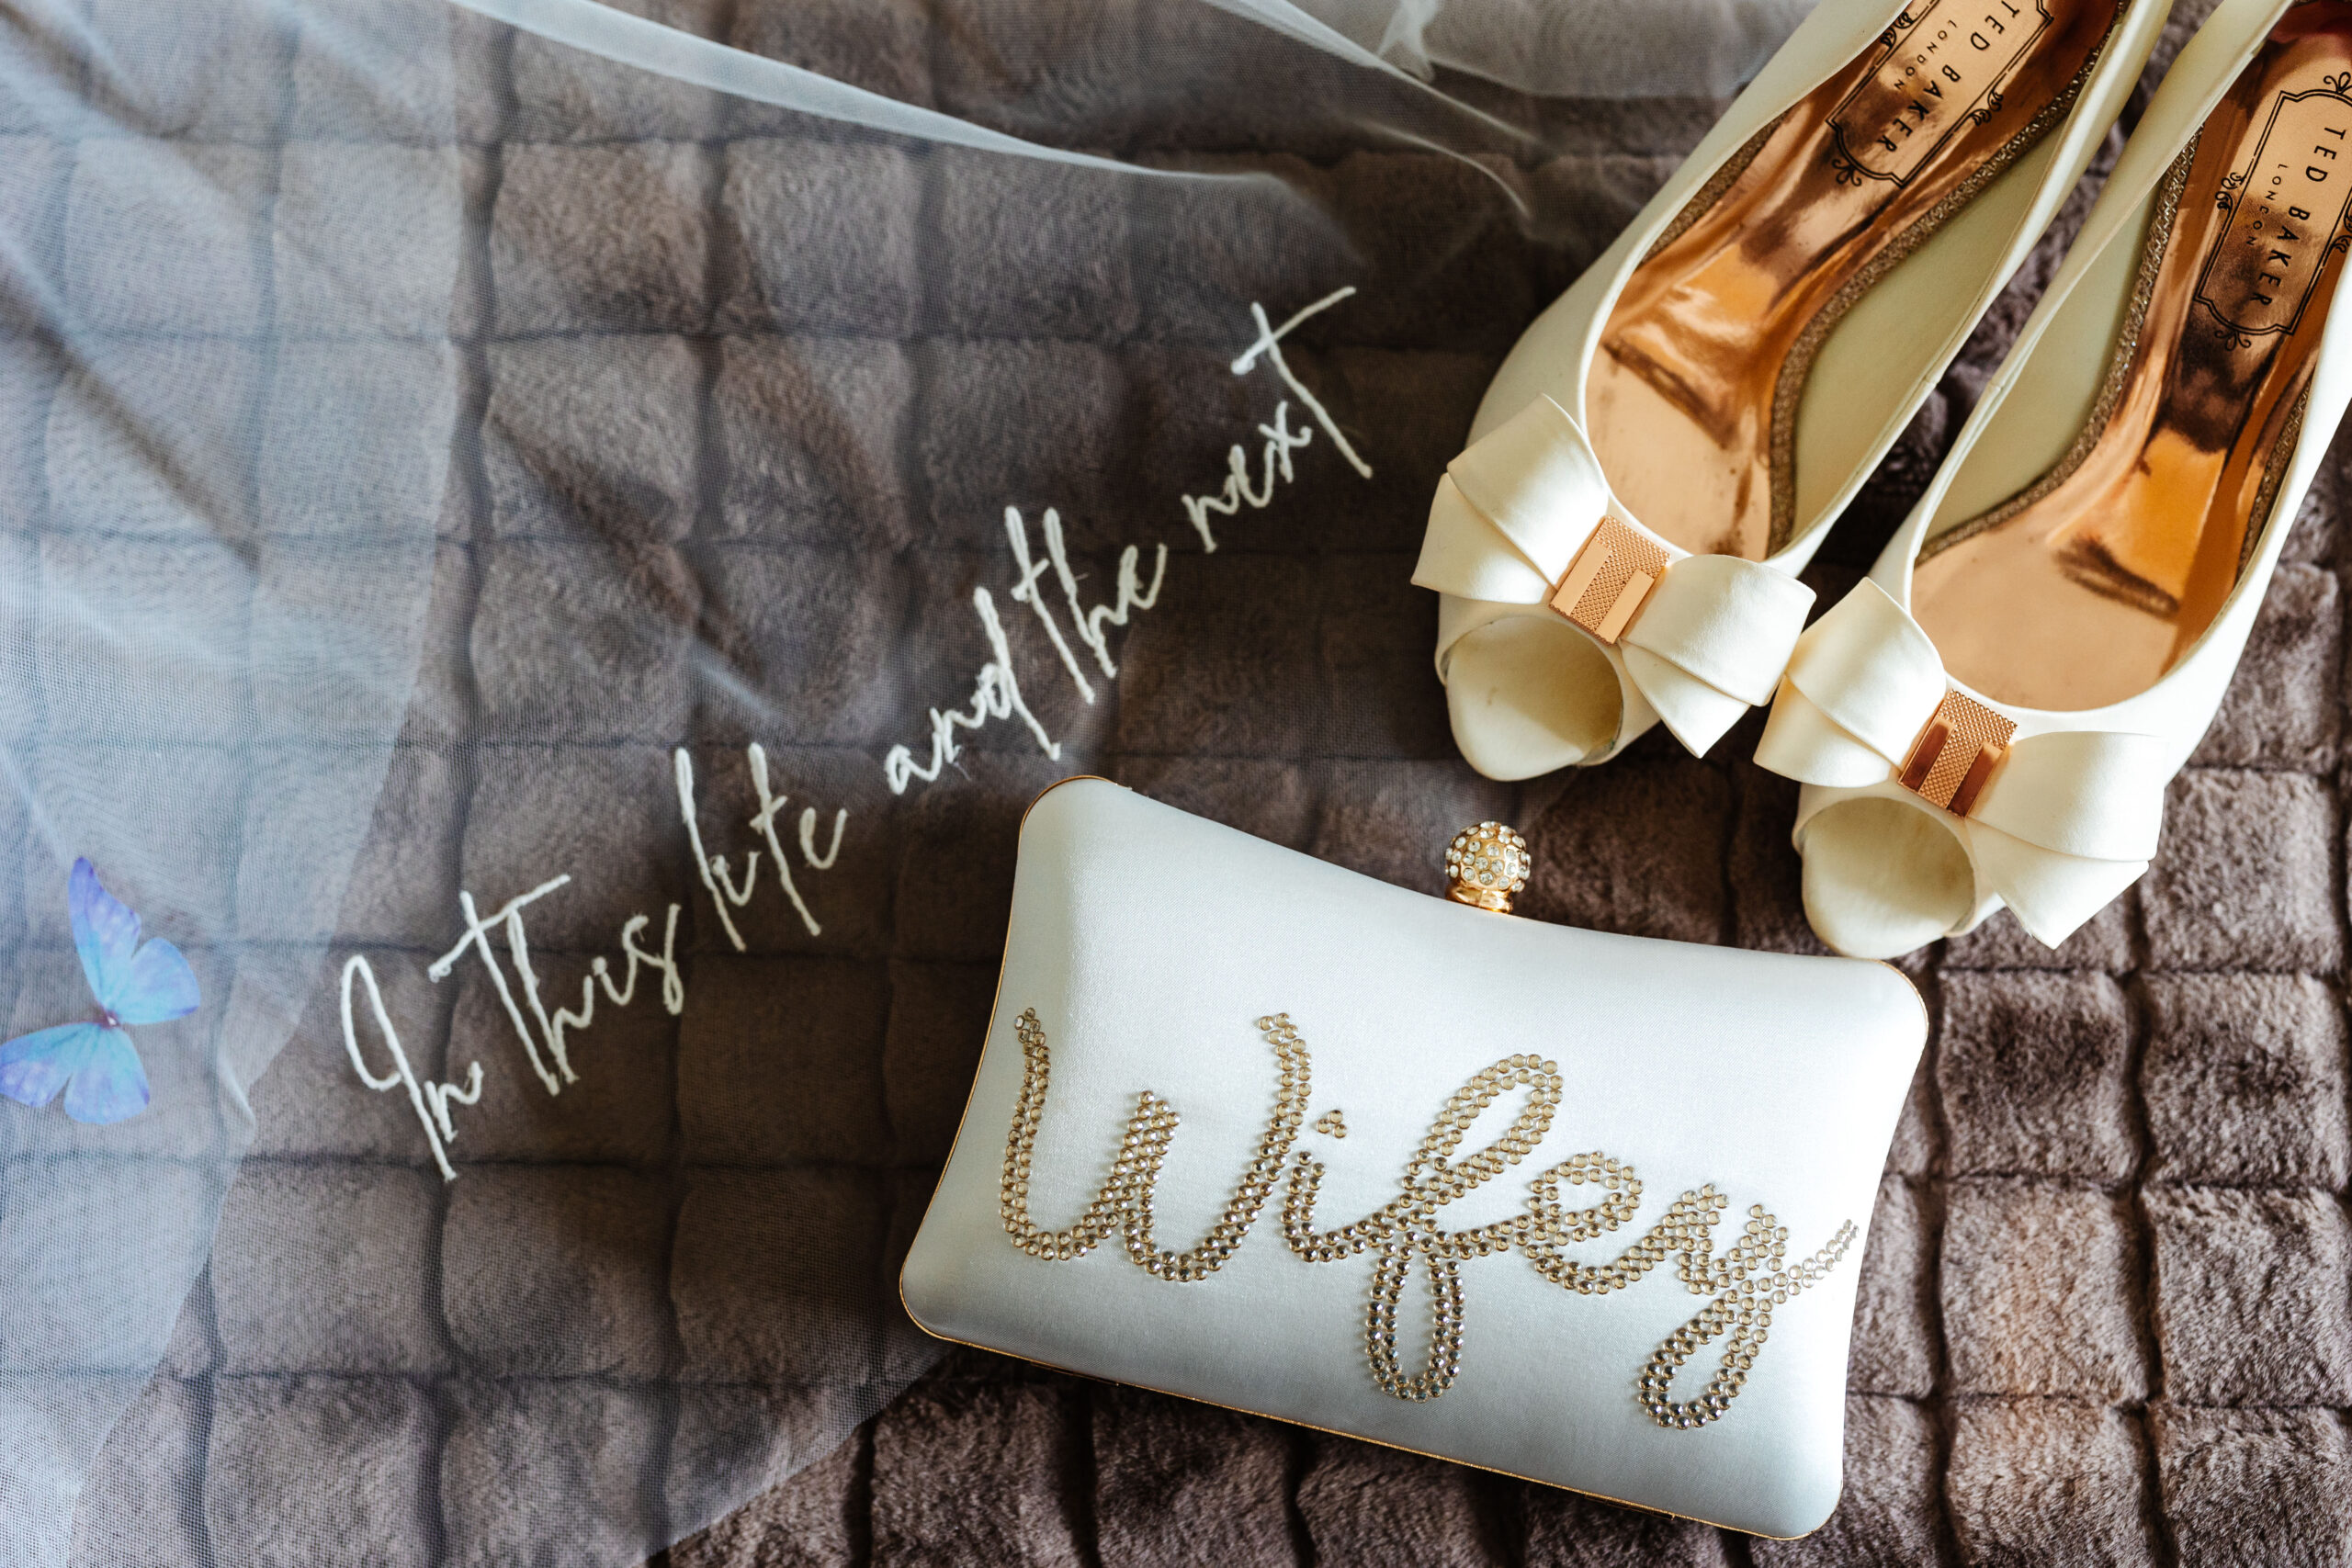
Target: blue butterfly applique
(94, 1061)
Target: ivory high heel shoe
(1992, 716)
(1666, 446)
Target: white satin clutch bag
(1254, 1130)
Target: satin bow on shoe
(2054, 823)
(1697, 640)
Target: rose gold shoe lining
(2087, 585)
(2119, 368)
(1830, 282)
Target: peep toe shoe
(1665, 448)
(1991, 717)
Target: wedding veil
(542, 548)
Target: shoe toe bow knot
(2054, 816)
(1524, 524)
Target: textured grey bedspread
(2107, 1308)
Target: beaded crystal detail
(1485, 864)
(1125, 1202)
(1751, 1278)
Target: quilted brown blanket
(2106, 1306)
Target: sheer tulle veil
(510, 512)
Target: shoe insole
(1692, 399)
(2086, 587)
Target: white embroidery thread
(1269, 344)
(995, 691)
(510, 914)
(764, 823)
(996, 694)
(808, 831)
(1132, 595)
(432, 1102)
(1280, 441)
(1024, 591)
(713, 872)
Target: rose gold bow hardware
(1609, 580)
(1956, 753)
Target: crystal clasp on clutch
(1485, 865)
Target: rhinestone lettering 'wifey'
(1752, 1277)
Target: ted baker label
(1942, 67)
(2285, 207)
